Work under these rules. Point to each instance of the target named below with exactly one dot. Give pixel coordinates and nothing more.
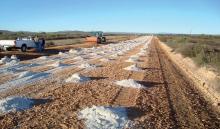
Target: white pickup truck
(22, 43)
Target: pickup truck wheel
(23, 48)
(8, 49)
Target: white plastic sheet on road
(105, 117)
(133, 68)
(15, 104)
(129, 83)
(77, 78)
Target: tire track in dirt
(172, 112)
(126, 97)
(152, 101)
(188, 107)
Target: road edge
(199, 83)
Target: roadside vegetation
(60, 35)
(203, 49)
(47, 35)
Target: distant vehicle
(97, 37)
(23, 44)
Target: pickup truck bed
(10, 43)
(22, 44)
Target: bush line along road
(169, 99)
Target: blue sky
(174, 16)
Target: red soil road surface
(170, 99)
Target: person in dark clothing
(42, 44)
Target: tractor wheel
(103, 39)
(99, 40)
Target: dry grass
(204, 50)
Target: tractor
(96, 37)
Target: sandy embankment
(204, 79)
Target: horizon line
(174, 33)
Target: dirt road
(169, 99)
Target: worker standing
(41, 44)
(37, 43)
(36, 39)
